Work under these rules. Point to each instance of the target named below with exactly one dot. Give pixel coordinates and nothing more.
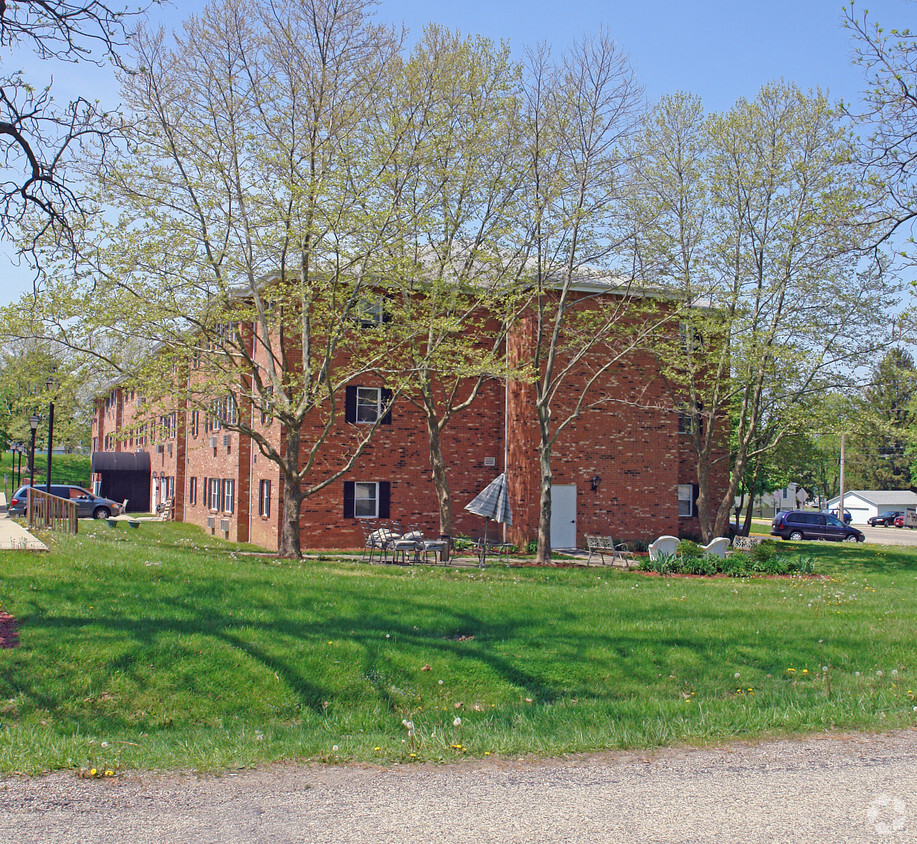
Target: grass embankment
(161, 648)
(65, 469)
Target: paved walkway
(14, 537)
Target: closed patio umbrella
(492, 502)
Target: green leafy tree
(758, 217)
(576, 114)
(450, 278)
(882, 426)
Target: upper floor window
(366, 405)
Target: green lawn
(65, 469)
(162, 648)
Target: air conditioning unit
(224, 524)
(169, 448)
(213, 442)
(490, 461)
(211, 522)
(159, 449)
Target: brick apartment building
(622, 468)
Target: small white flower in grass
(736, 675)
(334, 748)
(440, 682)
(856, 673)
(824, 668)
(894, 672)
(880, 673)
(457, 722)
(104, 744)
(388, 636)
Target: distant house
(863, 503)
(791, 497)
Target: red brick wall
(631, 442)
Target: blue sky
(718, 49)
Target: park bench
(605, 546)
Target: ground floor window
(192, 490)
(229, 496)
(213, 494)
(367, 499)
(685, 499)
(264, 498)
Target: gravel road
(838, 788)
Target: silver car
(88, 505)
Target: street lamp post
(50, 384)
(19, 447)
(34, 419)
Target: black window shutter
(348, 499)
(695, 491)
(350, 404)
(387, 406)
(387, 308)
(385, 500)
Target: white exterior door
(563, 516)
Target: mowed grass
(160, 648)
(65, 469)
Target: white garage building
(863, 503)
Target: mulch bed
(9, 638)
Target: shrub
(689, 550)
(737, 564)
(532, 547)
(772, 565)
(763, 551)
(667, 564)
(640, 546)
(802, 565)
(699, 565)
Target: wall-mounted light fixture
(594, 482)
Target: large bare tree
(41, 141)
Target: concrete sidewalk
(13, 537)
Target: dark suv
(87, 504)
(807, 524)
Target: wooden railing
(49, 511)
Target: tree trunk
(703, 501)
(543, 555)
(746, 527)
(289, 547)
(440, 479)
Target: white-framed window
(685, 499)
(213, 497)
(369, 404)
(195, 422)
(229, 495)
(192, 490)
(366, 500)
(264, 498)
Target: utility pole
(840, 503)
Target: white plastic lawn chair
(716, 547)
(667, 545)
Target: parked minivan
(807, 524)
(88, 505)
